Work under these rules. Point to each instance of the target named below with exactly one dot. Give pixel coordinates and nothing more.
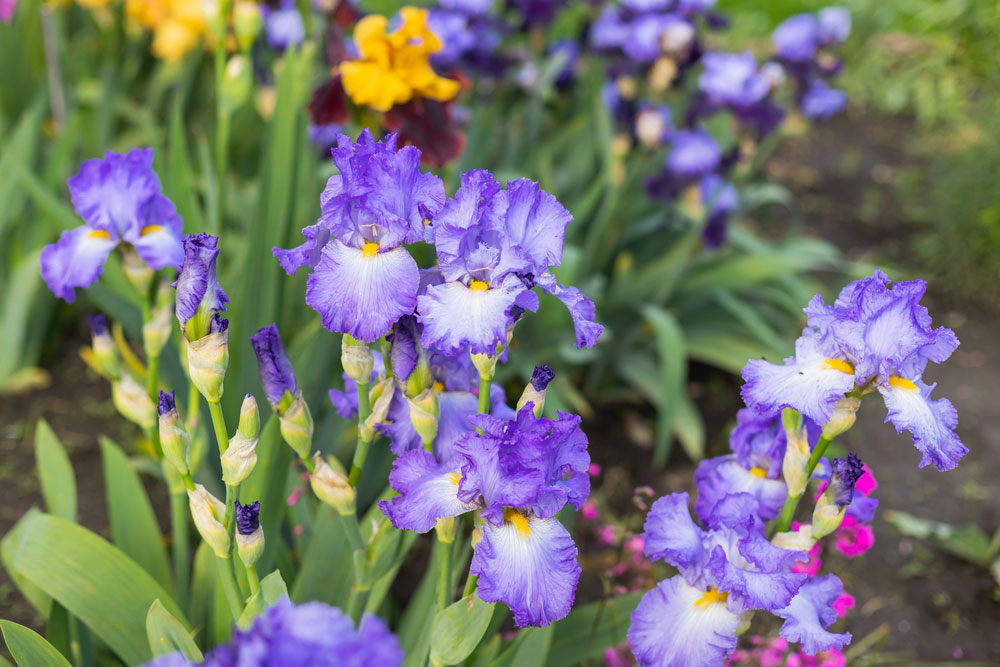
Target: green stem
(225, 569)
(784, 520)
(219, 424)
(356, 604)
(485, 384)
(353, 531)
(252, 579)
(180, 546)
(221, 133)
(444, 589)
(361, 451)
(470, 585)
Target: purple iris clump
(199, 296)
(843, 478)
(276, 373)
(536, 12)
(165, 403)
(732, 79)
(834, 25)
(821, 101)
(313, 634)
(363, 279)
(541, 377)
(119, 199)
(796, 38)
(693, 153)
(247, 517)
(284, 26)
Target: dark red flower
(427, 124)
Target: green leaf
(8, 546)
(95, 581)
(530, 649)
(19, 148)
(133, 524)
(589, 630)
(690, 429)
(725, 350)
(167, 635)
(272, 589)
(967, 542)
(28, 647)
(55, 473)
(457, 629)
(178, 184)
(673, 376)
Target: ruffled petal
(807, 382)
(108, 192)
(756, 574)
(75, 260)
(362, 296)
(670, 533)
(809, 614)
(160, 247)
(530, 565)
(564, 460)
(428, 492)
(677, 625)
(930, 422)
(723, 475)
(536, 222)
(455, 316)
(581, 309)
(307, 254)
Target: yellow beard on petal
(369, 250)
(897, 382)
(99, 234)
(760, 473)
(151, 229)
(520, 522)
(838, 365)
(711, 596)
(478, 286)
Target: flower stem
(784, 521)
(219, 424)
(361, 451)
(353, 531)
(180, 545)
(228, 581)
(444, 590)
(356, 604)
(470, 585)
(253, 579)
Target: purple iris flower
(469, 7)
(811, 612)
(200, 298)
(313, 634)
(165, 403)
(821, 101)
(834, 25)
(845, 474)
(536, 12)
(284, 26)
(276, 373)
(609, 30)
(493, 245)
(874, 336)
(120, 201)
(517, 474)
(693, 153)
(732, 79)
(861, 507)
(721, 199)
(725, 569)
(363, 279)
(247, 517)
(796, 39)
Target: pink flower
(853, 538)
(813, 565)
(831, 658)
(294, 496)
(866, 483)
(606, 535)
(590, 512)
(298, 530)
(594, 470)
(843, 603)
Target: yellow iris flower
(394, 68)
(177, 25)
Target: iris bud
(208, 358)
(845, 413)
(832, 505)
(156, 332)
(424, 412)
(357, 359)
(331, 486)
(173, 438)
(534, 393)
(381, 394)
(105, 351)
(208, 512)
(795, 540)
(446, 529)
(237, 83)
(247, 23)
(296, 424)
(795, 466)
(132, 401)
(240, 457)
(137, 271)
(249, 535)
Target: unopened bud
(208, 513)
(247, 23)
(249, 535)
(156, 332)
(105, 351)
(208, 358)
(132, 401)
(662, 74)
(446, 528)
(827, 517)
(845, 413)
(795, 540)
(240, 457)
(331, 486)
(173, 438)
(296, 424)
(534, 393)
(137, 271)
(795, 465)
(421, 378)
(357, 359)
(424, 412)
(382, 394)
(237, 82)
(652, 127)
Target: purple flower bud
(247, 517)
(845, 475)
(541, 377)
(276, 372)
(98, 324)
(199, 295)
(166, 403)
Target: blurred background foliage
(665, 303)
